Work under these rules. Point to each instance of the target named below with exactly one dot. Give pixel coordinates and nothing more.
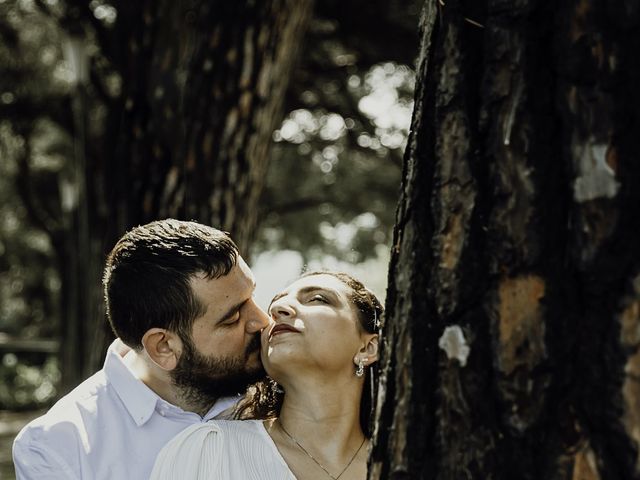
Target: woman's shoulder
(248, 443)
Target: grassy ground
(10, 425)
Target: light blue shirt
(111, 426)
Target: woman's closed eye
(318, 298)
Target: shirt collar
(139, 400)
(222, 409)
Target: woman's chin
(281, 358)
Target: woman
(320, 348)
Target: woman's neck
(323, 416)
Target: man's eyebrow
(232, 311)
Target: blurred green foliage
(31, 81)
(335, 172)
(28, 380)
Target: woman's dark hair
(147, 276)
(264, 399)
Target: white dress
(222, 450)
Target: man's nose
(258, 320)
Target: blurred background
(329, 193)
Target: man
(179, 295)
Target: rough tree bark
(187, 136)
(511, 344)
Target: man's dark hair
(147, 276)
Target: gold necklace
(316, 461)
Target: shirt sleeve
(38, 462)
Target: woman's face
(313, 324)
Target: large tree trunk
(511, 344)
(202, 89)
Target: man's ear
(163, 347)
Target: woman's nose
(281, 309)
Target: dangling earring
(360, 370)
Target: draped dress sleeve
(196, 453)
(222, 450)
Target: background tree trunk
(511, 344)
(188, 135)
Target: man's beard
(202, 380)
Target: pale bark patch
(585, 466)
(630, 338)
(521, 325)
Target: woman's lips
(282, 328)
